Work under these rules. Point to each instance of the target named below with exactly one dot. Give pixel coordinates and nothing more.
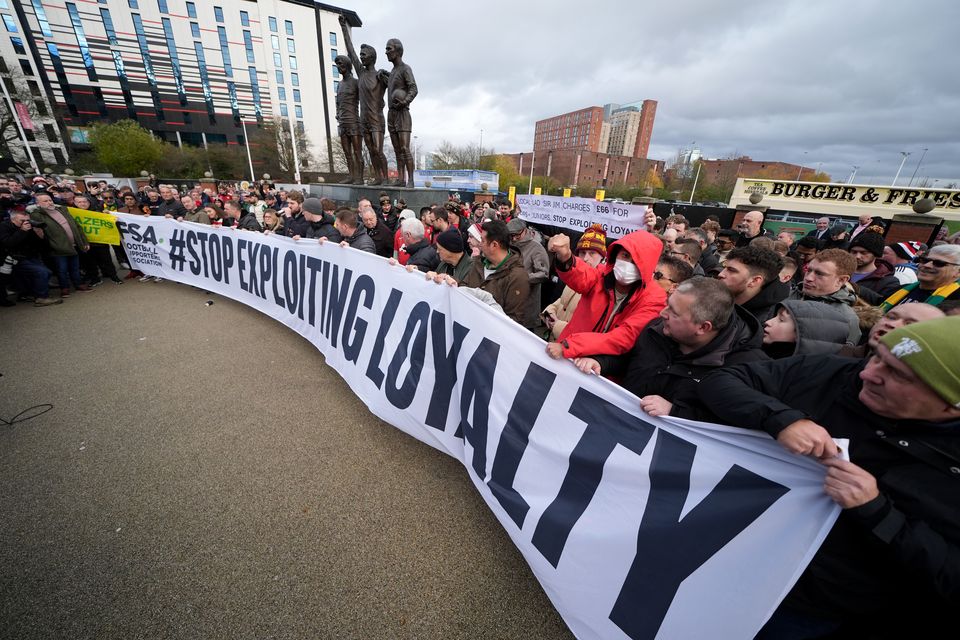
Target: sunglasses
(939, 264)
(659, 276)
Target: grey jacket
(821, 328)
(361, 240)
(842, 300)
(537, 264)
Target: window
(296, 95)
(244, 19)
(248, 46)
(300, 127)
(40, 105)
(218, 13)
(333, 55)
(50, 132)
(18, 46)
(191, 10)
(195, 29)
(133, 4)
(298, 111)
(144, 50)
(225, 52)
(82, 41)
(291, 46)
(234, 103)
(279, 76)
(34, 88)
(4, 4)
(288, 26)
(336, 86)
(255, 88)
(204, 80)
(25, 66)
(277, 60)
(275, 43)
(283, 110)
(295, 79)
(293, 62)
(174, 59)
(336, 72)
(333, 39)
(10, 24)
(282, 94)
(163, 6)
(273, 23)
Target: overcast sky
(842, 83)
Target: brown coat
(509, 285)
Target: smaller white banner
(579, 213)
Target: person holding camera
(65, 240)
(21, 246)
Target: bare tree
(451, 156)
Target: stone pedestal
(913, 226)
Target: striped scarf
(935, 298)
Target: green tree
(125, 148)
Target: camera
(38, 224)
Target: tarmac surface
(203, 474)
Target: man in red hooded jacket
(618, 299)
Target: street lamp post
(802, 162)
(922, 155)
(900, 168)
(854, 174)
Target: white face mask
(625, 271)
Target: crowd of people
(835, 334)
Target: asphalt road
(203, 474)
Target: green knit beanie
(932, 351)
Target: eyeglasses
(659, 276)
(939, 264)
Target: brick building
(579, 130)
(588, 169)
(728, 170)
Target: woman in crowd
(272, 223)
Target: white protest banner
(579, 213)
(636, 527)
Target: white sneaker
(158, 279)
(146, 278)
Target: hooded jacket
(323, 228)
(821, 329)
(879, 285)
(889, 568)
(509, 284)
(766, 300)
(584, 334)
(361, 240)
(537, 263)
(656, 366)
(842, 299)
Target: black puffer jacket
(655, 365)
(322, 229)
(890, 568)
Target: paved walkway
(203, 474)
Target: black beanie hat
(872, 242)
(451, 240)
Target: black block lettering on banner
(477, 388)
(315, 265)
(228, 255)
(607, 426)
(357, 327)
(291, 281)
(530, 397)
(241, 264)
(339, 290)
(277, 276)
(374, 372)
(445, 368)
(216, 257)
(177, 245)
(416, 352)
(266, 269)
(670, 549)
(195, 262)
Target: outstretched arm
(354, 58)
